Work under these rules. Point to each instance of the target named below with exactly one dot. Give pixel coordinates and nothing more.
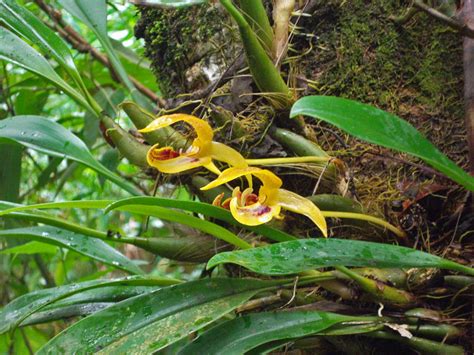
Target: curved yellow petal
(222, 152)
(298, 204)
(254, 214)
(203, 131)
(212, 168)
(269, 179)
(167, 160)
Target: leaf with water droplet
(51, 138)
(20, 308)
(302, 255)
(147, 323)
(379, 127)
(82, 244)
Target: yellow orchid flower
(204, 150)
(250, 209)
(201, 152)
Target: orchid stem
(364, 217)
(290, 160)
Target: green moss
(371, 59)
(177, 39)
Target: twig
(403, 19)
(80, 44)
(462, 28)
(48, 278)
(27, 342)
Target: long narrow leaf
(167, 214)
(14, 50)
(199, 207)
(29, 26)
(53, 139)
(242, 334)
(22, 307)
(301, 255)
(92, 247)
(156, 319)
(87, 302)
(379, 127)
(95, 18)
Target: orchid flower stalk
(251, 209)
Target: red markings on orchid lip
(261, 210)
(251, 199)
(164, 154)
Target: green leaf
(379, 127)
(31, 248)
(301, 255)
(242, 334)
(85, 245)
(14, 50)
(87, 302)
(20, 308)
(150, 322)
(75, 310)
(26, 24)
(266, 76)
(167, 214)
(95, 18)
(199, 207)
(53, 139)
(168, 3)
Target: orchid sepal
(298, 204)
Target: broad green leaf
(22, 307)
(167, 214)
(199, 207)
(53, 139)
(14, 50)
(29, 26)
(157, 319)
(31, 248)
(242, 334)
(379, 127)
(168, 3)
(92, 247)
(301, 255)
(95, 18)
(167, 331)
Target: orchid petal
(269, 180)
(298, 204)
(212, 168)
(167, 160)
(254, 214)
(203, 131)
(222, 152)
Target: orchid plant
(246, 207)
